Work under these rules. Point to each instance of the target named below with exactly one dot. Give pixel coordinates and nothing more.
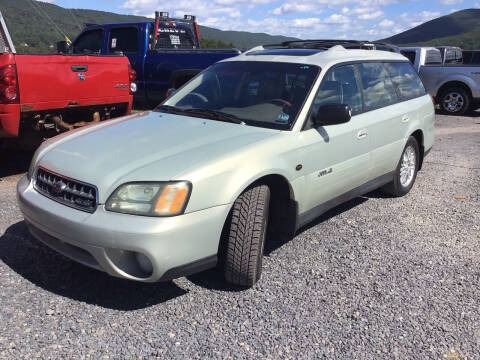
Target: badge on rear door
(81, 76)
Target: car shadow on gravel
(213, 279)
(57, 274)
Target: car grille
(73, 193)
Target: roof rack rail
(327, 44)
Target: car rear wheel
(455, 101)
(406, 171)
(245, 237)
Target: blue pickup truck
(165, 53)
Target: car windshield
(264, 94)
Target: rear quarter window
(124, 40)
(406, 80)
(433, 57)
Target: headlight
(150, 198)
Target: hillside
(461, 28)
(29, 23)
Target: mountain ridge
(461, 28)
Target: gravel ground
(374, 278)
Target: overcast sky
(354, 19)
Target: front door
(337, 157)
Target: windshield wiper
(169, 109)
(216, 115)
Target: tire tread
(245, 239)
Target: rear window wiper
(216, 115)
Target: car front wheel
(245, 237)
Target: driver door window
(340, 86)
(90, 42)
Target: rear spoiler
(189, 20)
(6, 44)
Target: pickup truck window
(378, 89)
(433, 57)
(406, 80)
(123, 39)
(262, 94)
(90, 42)
(471, 57)
(340, 86)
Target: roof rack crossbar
(325, 44)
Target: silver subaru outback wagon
(252, 148)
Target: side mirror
(63, 47)
(332, 114)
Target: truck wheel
(406, 172)
(455, 101)
(245, 237)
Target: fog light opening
(144, 263)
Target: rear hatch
(59, 81)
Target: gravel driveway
(375, 278)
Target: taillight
(132, 75)
(9, 93)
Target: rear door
(337, 156)
(403, 89)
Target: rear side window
(340, 86)
(475, 58)
(410, 55)
(406, 80)
(378, 89)
(124, 40)
(433, 57)
(90, 42)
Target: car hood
(149, 147)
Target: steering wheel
(200, 96)
(282, 102)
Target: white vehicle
(252, 148)
(453, 85)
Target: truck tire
(406, 171)
(245, 237)
(454, 101)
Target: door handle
(405, 119)
(362, 134)
(79, 68)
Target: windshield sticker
(283, 118)
(114, 43)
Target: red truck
(42, 95)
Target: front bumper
(108, 241)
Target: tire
(455, 101)
(400, 186)
(245, 237)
